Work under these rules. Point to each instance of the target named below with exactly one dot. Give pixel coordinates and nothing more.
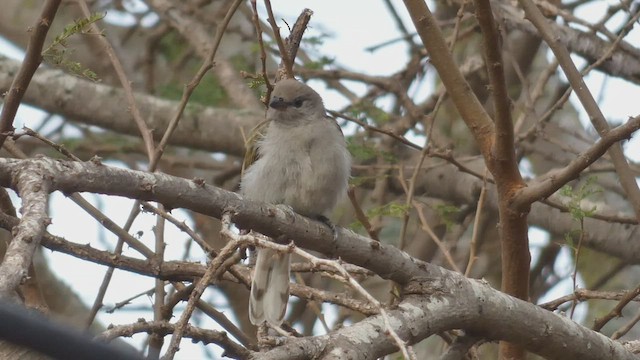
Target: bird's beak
(278, 103)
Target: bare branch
(215, 269)
(627, 179)
(143, 127)
(207, 128)
(34, 191)
(232, 350)
(548, 184)
(472, 112)
(469, 304)
(32, 60)
(197, 35)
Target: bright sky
(349, 35)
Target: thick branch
(175, 192)
(455, 302)
(623, 63)
(206, 128)
(436, 299)
(496, 144)
(504, 165)
(34, 190)
(467, 104)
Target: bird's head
(294, 103)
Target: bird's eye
(298, 102)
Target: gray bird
(303, 162)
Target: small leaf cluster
(365, 110)
(57, 53)
(363, 151)
(577, 195)
(448, 214)
(392, 209)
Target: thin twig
(586, 294)
(145, 132)
(316, 306)
(504, 150)
(476, 226)
(434, 237)
(32, 59)
(409, 193)
(191, 86)
(574, 275)
(108, 275)
(627, 179)
(366, 126)
(263, 53)
(288, 61)
(156, 340)
(627, 327)
(617, 310)
(156, 154)
(553, 180)
(232, 349)
(361, 216)
(263, 241)
(293, 41)
(209, 250)
(127, 301)
(59, 148)
(147, 138)
(219, 317)
(214, 270)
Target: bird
(302, 163)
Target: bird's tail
(269, 288)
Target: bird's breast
(299, 170)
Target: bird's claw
(326, 221)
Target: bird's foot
(325, 220)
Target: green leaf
(448, 214)
(360, 150)
(319, 64)
(56, 53)
(391, 209)
(366, 110)
(577, 195)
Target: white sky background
(351, 32)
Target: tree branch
(34, 191)
(548, 184)
(287, 60)
(232, 349)
(198, 36)
(503, 164)
(467, 104)
(143, 127)
(434, 299)
(32, 60)
(455, 302)
(627, 179)
(623, 63)
(206, 128)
